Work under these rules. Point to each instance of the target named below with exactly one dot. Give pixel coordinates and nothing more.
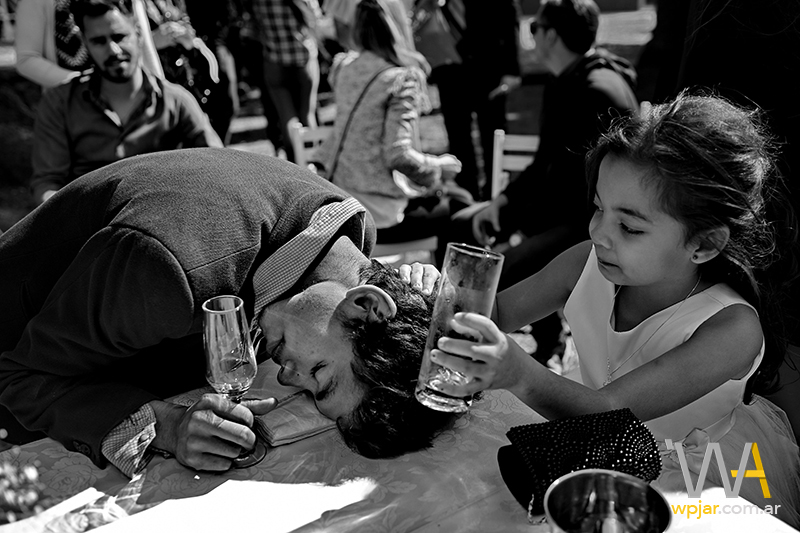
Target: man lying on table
(102, 288)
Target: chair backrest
(511, 153)
(305, 141)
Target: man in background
(548, 201)
(117, 111)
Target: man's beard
(116, 72)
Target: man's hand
(419, 276)
(170, 33)
(507, 84)
(488, 220)
(449, 164)
(209, 434)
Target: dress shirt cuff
(126, 445)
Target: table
(454, 486)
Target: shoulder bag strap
(350, 119)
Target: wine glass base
(252, 457)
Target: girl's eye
(630, 231)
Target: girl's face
(637, 244)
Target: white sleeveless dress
(719, 416)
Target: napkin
(295, 418)
(247, 505)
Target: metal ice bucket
(604, 501)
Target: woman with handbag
(373, 152)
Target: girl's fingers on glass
(452, 361)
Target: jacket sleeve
(122, 293)
(52, 160)
(400, 130)
(31, 19)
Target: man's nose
(296, 378)
(115, 48)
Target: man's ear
(709, 244)
(368, 303)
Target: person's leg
(253, 51)
(307, 79)
(422, 219)
(279, 81)
(533, 253)
(457, 113)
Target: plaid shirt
(126, 446)
(287, 40)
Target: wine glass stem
(235, 398)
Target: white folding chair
(305, 141)
(511, 153)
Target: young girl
(662, 303)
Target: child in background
(667, 316)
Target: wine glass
(230, 358)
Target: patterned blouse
(380, 162)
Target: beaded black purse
(541, 453)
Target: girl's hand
(497, 362)
(419, 276)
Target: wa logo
(738, 475)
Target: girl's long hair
(713, 165)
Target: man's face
(305, 335)
(113, 44)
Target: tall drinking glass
(468, 284)
(230, 357)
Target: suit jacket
(103, 284)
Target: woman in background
(374, 152)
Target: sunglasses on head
(536, 24)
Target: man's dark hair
(389, 421)
(575, 21)
(96, 8)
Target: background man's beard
(117, 73)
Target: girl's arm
(498, 362)
(722, 348)
(542, 293)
